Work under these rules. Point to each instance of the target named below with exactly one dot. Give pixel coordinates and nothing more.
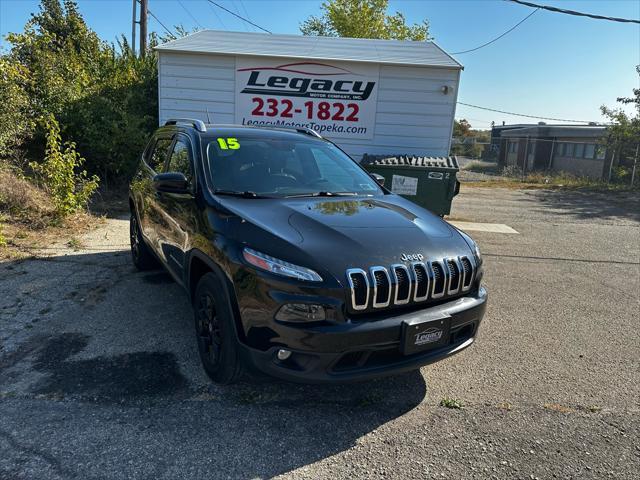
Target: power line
(573, 12)
(235, 8)
(215, 12)
(499, 37)
(523, 114)
(162, 24)
(190, 14)
(240, 17)
(246, 12)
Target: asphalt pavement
(100, 377)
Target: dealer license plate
(421, 335)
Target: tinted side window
(180, 160)
(159, 154)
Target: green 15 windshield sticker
(228, 143)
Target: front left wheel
(215, 331)
(142, 257)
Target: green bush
(3, 240)
(69, 189)
(104, 97)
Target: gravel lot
(99, 375)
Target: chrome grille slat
(386, 284)
(396, 282)
(452, 266)
(355, 273)
(468, 271)
(401, 284)
(415, 268)
(436, 280)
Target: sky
(553, 65)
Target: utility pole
(134, 20)
(635, 163)
(144, 9)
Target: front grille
(359, 284)
(381, 287)
(439, 280)
(467, 276)
(422, 282)
(454, 276)
(402, 284)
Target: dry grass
(28, 219)
(512, 179)
(556, 407)
(482, 167)
(505, 406)
(22, 202)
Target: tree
(363, 19)
(622, 135)
(104, 97)
(461, 128)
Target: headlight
(279, 267)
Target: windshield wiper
(235, 193)
(323, 194)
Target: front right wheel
(215, 331)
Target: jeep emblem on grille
(412, 257)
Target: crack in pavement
(32, 451)
(560, 259)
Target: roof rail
(195, 123)
(305, 130)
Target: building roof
(587, 131)
(322, 48)
(510, 126)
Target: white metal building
(370, 96)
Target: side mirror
(378, 178)
(171, 182)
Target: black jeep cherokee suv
(296, 260)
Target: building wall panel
(413, 115)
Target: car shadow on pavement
(589, 204)
(87, 333)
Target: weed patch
(556, 407)
(452, 403)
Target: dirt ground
(100, 378)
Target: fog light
(301, 312)
(283, 354)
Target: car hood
(340, 233)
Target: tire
(141, 254)
(215, 331)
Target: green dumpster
(428, 181)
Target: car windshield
(275, 167)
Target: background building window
(562, 147)
(589, 150)
(532, 147)
(569, 150)
(600, 152)
(579, 150)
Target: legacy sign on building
(337, 99)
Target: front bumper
(366, 349)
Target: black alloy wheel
(208, 329)
(142, 257)
(215, 331)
